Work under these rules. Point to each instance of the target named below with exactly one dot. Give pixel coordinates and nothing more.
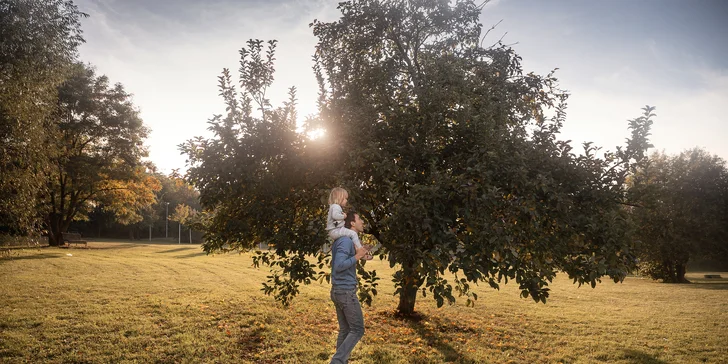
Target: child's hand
(344, 214)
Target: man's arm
(342, 260)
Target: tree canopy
(99, 144)
(39, 41)
(448, 150)
(682, 213)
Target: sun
(316, 134)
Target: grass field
(168, 303)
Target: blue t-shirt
(343, 266)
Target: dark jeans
(351, 323)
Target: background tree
(38, 43)
(445, 147)
(110, 221)
(100, 145)
(683, 213)
(187, 216)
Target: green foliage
(99, 144)
(683, 212)
(447, 149)
(39, 42)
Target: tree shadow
(30, 257)
(120, 246)
(192, 255)
(173, 250)
(721, 286)
(638, 357)
(252, 342)
(433, 331)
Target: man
(343, 290)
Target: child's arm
(337, 213)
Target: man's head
(354, 222)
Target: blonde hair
(337, 195)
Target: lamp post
(166, 223)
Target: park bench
(73, 238)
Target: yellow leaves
(128, 197)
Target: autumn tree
(173, 191)
(682, 213)
(449, 151)
(100, 145)
(38, 44)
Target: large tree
(38, 44)
(682, 213)
(100, 146)
(448, 150)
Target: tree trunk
(411, 283)
(55, 230)
(407, 300)
(680, 273)
(669, 272)
(674, 272)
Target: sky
(613, 56)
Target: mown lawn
(168, 303)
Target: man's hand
(360, 253)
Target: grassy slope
(136, 302)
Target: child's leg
(334, 234)
(353, 235)
(355, 238)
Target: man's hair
(349, 218)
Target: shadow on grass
(638, 357)
(252, 342)
(434, 332)
(31, 257)
(116, 246)
(721, 286)
(192, 255)
(173, 250)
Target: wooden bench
(73, 238)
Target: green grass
(168, 303)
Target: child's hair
(337, 195)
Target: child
(338, 199)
